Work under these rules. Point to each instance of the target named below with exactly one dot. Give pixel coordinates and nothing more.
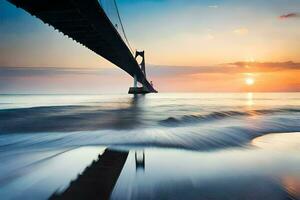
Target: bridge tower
(142, 64)
(135, 89)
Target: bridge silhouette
(88, 23)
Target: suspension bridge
(97, 25)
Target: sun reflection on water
(292, 185)
(249, 97)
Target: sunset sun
(249, 81)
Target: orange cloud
(265, 66)
(241, 31)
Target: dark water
(165, 146)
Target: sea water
(180, 146)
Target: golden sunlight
(249, 81)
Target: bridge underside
(86, 22)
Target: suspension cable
(123, 30)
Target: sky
(191, 46)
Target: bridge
(96, 25)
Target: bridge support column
(135, 83)
(135, 89)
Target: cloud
(241, 31)
(289, 15)
(153, 70)
(209, 37)
(159, 70)
(11, 72)
(264, 66)
(228, 68)
(213, 6)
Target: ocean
(208, 146)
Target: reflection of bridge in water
(89, 23)
(98, 180)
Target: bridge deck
(86, 22)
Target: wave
(75, 126)
(200, 138)
(187, 119)
(92, 118)
(67, 119)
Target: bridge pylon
(135, 89)
(142, 64)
